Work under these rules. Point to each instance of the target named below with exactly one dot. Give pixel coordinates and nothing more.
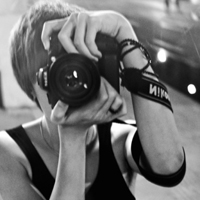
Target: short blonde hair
(26, 49)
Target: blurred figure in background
(86, 152)
(177, 4)
(168, 3)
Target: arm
(70, 178)
(162, 148)
(15, 182)
(160, 140)
(156, 127)
(134, 154)
(73, 129)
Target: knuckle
(55, 118)
(117, 104)
(45, 30)
(104, 97)
(119, 100)
(61, 35)
(58, 113)
(73, 17)
(92, 21)
(77, 42)
(112, 94)
(89, 42)
(83, 15)
(46, 24)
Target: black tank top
(109, 183)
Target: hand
(99, 110)
(83, 27)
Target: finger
(58, 114)
(100, 100)
(66, 33)
(79, 36)
(121, 112)
(111, 96)
(116, 105)
(91, 33)
(109, 116)
(48, 28)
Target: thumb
(58, 114)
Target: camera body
(75, 79)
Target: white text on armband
(158, 92)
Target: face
(42, 98)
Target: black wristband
(134, 80)
(135, 45)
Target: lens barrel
(73, 79)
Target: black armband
(162, 180)
(134, 80)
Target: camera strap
(134, 80)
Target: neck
(91, 135)
(49, 132)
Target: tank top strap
(41, 177)
(104, 133)
(109, 183)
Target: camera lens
(74, 79)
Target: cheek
(43, 101)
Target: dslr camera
(75, 79)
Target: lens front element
(74, 79)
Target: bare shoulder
(10, 151)
(15, 178)
(11, 156)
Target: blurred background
(171, 32)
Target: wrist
(134, 59)
(72, 133)
(134, 54)
(148, 88)
(125, 29)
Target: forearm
(158, 135)
(70, 178)
(156, 125)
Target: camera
(75, 79)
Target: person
(167, 3)
(87, 152)
(177, 3)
